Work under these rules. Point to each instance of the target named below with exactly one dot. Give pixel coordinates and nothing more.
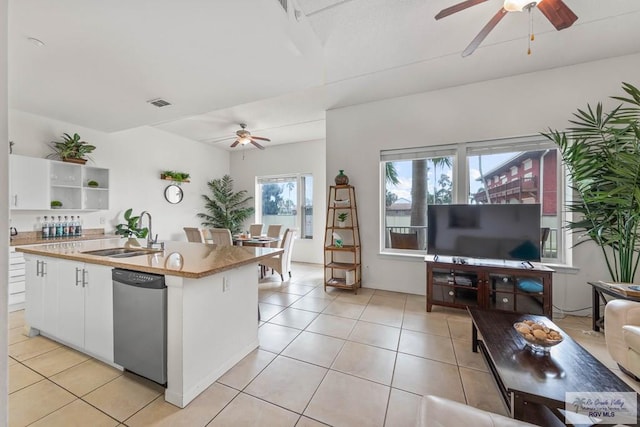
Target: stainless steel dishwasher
(140, 323)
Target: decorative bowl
(537, 335)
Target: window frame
(461, 183)
(300, 179)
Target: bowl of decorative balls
(538, 336)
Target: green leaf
(226, 208)
(602, 154)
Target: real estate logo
(601, 408)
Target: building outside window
(286, 200)
(463, 173)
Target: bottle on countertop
(59, 227)
(65, 227)
(79, 227)
(45, 228)
(52, 228)
(72, 227)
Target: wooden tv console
(494, 285)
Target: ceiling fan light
(519, 5)
(245, 140)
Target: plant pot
(342, 224)
(341, 178)
(77, 161)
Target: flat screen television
(503, 232)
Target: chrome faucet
(151, 241)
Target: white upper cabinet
(36, 182)
(29, 182)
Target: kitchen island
(212, 300)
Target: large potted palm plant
(226, 208)
(602, 153)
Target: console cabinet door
(98, 310)
(70, 302)
(29, 183)
(34, 291)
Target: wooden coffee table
(533, 385)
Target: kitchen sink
(119, 252)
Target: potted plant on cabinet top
(71, 149)
(342, 219)
(602, 154)
(226, 208)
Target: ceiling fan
(245, 137)
(555, 11)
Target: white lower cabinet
(98, 311)
(82, 304)
(41, 288)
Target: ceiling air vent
(159, 102)
(283, 3)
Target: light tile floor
(325, 358)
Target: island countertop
(183, 259)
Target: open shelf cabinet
(342, 252)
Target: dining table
(260, 241)
(263, 241)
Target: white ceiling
(225, 62)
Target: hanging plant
(175, 176)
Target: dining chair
(194, 234)
(220, 236)
(255, 230)
(274, 231)
(404, 240)
(282, 262)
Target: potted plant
(226, 208)
(56, 204)
(130, 228)
(92, 183)
(342, 219)
(71, 149)
(602, 154)
(175, 176)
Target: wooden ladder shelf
(342, 255)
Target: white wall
(301, 157)
(514, 106)
(135, 158)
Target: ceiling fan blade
(260, 138)
(235, 143)
(557, 13)
(457, 8)
(256, 144)
(484, 32)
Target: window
(286, 200)
(473, 173)
(413, 180)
